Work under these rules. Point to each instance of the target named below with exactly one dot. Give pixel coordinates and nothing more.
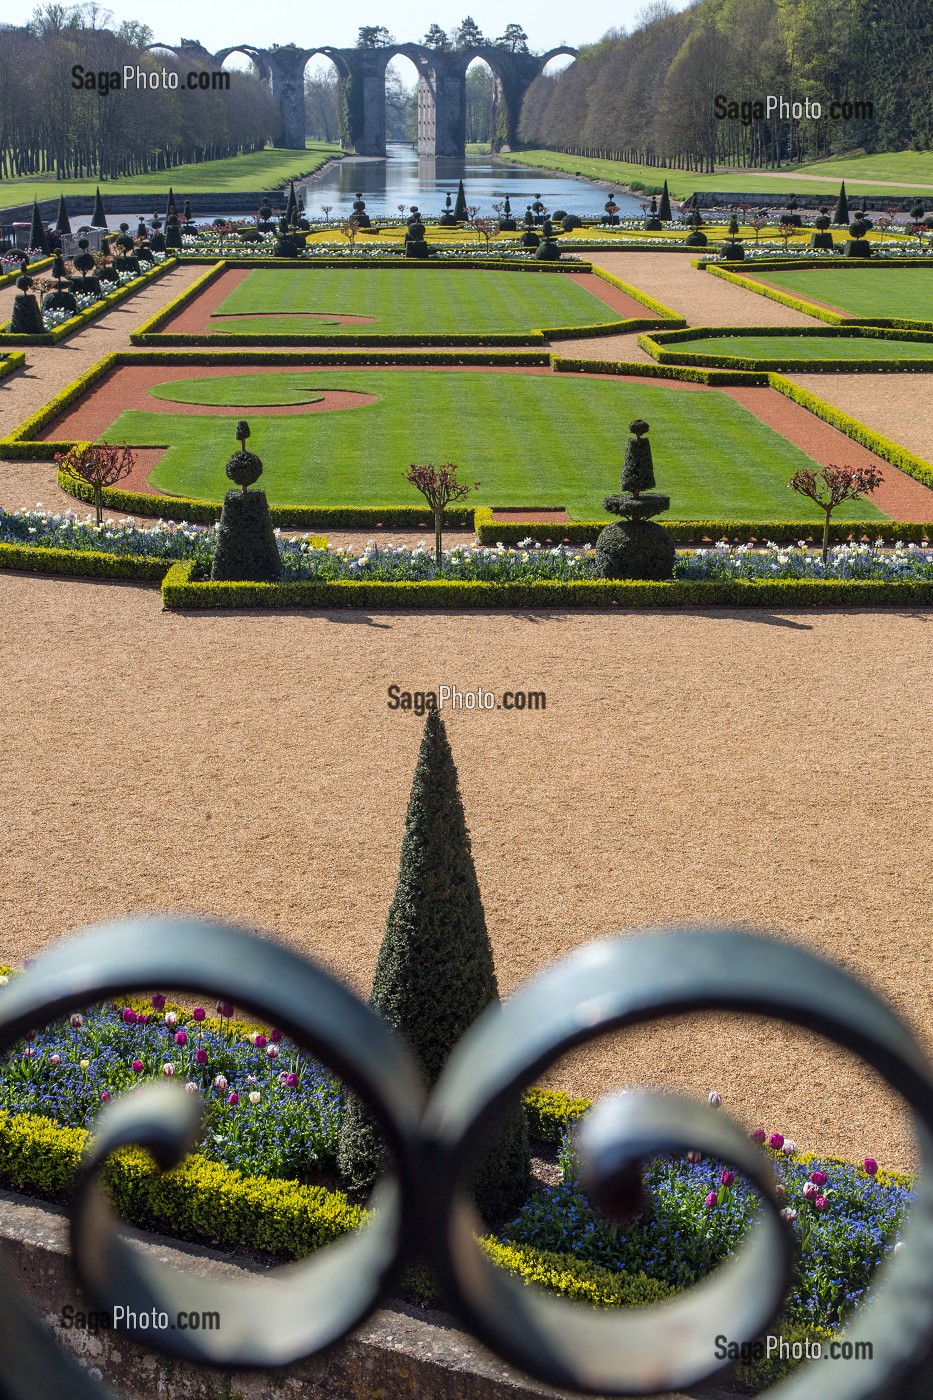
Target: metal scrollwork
(422, 1203)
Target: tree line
(649, 95)
(50, 126)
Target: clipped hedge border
(484, 264)
(656, 345)
(415, 341)
(810, 308)
(490, 531)
(9, 363)
(906, 461)
(181, 300)
(8, 279)
(91, 313)
(638, 368)
(664, 313)
(82, 563)
(178, 591)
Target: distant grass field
(871, 291)
(263, 170)
(809, 347)
(910, 171)
(407, 301)
(528, 440)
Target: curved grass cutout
(241, 391)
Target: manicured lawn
(806, 347)
(408, 300)
(911, 172)
(528, 439)
(262, 170)
(871, 291)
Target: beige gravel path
(764, 769)
(898, 405)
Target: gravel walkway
(688, 768)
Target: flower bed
(59, 324)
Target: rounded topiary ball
(635, 549)
(244, 468)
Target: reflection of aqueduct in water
(361, 75)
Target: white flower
(170, 1018)
(191, 1087)
(788, 1214)
(84, 1064)
(789, 1148)
(220, 1083)
(715, 1099)
(168, 1070)
(255, 1096)
(898, 1247)
(4, 981)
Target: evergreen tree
(38, 234)
(514, 39)
(435, 972)
(468, 35)
(460, 206)
(436, 38)
(291, 208)
(170, 204)
(664, 209)
(841, 215)
(63, 223)
(98, 218)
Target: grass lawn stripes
(446, 301)
(541, 439)
(872, 291)
(791, 349)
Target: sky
(218, 23)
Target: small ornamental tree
(485, 228)
(350, 228)
(439, 487)
(833, 486)
(758, 223)
(325, 210)
(435, 972)
(100, 465)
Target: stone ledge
(398, 1354)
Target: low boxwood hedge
(810, 308)
(74, 323)
(694, 375)
(657, 345)
(11, 362)
(81, 563)
(179, 591)
(490, 531)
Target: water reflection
(405, 178)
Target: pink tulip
(55, 1060)
(181, 1038)
(220, 1083)
(199, 1013)
(821, 1203)
(201, 1056)
(129, 1015)
(819, 1178)
(711, 1201)
(171, 1019)
(105, 1097)
(234, 1099)
(810, 1191)
(272, 1051)
(758, 1135)
(168, 1071)
(776, 1140)
(138, 1066)
(142, 1019)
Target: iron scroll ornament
(422, 1200)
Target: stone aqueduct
(361, 74)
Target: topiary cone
(664, 208)
(98, 218)
(435, 972)
(38, 235)
(841, 216)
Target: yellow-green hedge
(90, 313)
(81, 563)
(579, 1279)
(8, 363)
(663, 312)
(810, 308)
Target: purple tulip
(129, 1015)
(199, 1013)
(758, 1135)
(715, 1099)
(275, 1036)
(776, 1140)
(158, 1002)
(138, 1066)
(224, 1009)
(201, 1056)
(76, 1021)
(820, 1203)
(711, 1201)
(292, 1081)
(105, 1097)
(181, 1038)
(727, 1177)
(819, 1178)
(871, 1166)
(234, 1099)
(810, 1191)
(260, 1042)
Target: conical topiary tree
(841, 216)
(460, 206)
(38, 234)
(170, 203)
(664, 208)
(98, 218)
(435, 972)
(291, 209)
(62, 223)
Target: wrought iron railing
(423, 1205)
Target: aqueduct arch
(441, 90)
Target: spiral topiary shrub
(246, 546)
(635, 547)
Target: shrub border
(178, 591)
(16, 359)
(106, 303)
(810, 308)
(8, 279)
